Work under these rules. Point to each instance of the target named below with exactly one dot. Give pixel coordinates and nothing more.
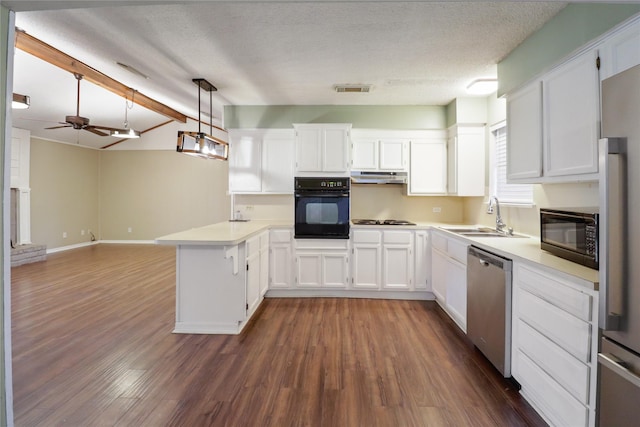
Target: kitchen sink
(480, 232)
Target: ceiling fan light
(482, 86)
(20, 102)
(125, 133)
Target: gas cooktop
(381, 222)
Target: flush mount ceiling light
(126, 132)
(20, 102)
(349, 88)
(199, 144)
(482, 86)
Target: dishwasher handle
(486, 258)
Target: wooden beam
(60, 59)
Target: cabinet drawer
(568, 371)
(366, 236)
(318, 244)
(569, 332)
(280, 236)
(398, 237)
(457, 250)
(556, 292)
(553, 400)
(439, 241)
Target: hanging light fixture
(126, 132)
(200, 144)
(20, 102)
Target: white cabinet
(554, 344)
(253, 273)
(571, 116)
(524, 133)
(621, 51)
(367, 258)
(261, 161)
(379, 151)
(321, 263)
(264, 263)
(553, 124)
(280, 261)
(449, 275)
(322, 148)
(422, 261)
(466, 166)
(397, 259)
(428, 167)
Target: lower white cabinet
(321, 263)
(422, 261)
(554, 344)
(397, 259)
(280, 258)
(257, 266)
(449, 275)
(367, 259)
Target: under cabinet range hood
(366, 177)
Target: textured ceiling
(269, 53)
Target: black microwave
(571, 233)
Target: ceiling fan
(81, 123)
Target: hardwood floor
(92, 346)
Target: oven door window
(568, 234)
(322, 210)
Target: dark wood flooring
(92, 346)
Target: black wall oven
(321, 208)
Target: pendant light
(20, 102)
(200, 144)
(126, 132)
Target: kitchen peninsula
(221, 275)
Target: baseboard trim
(348, 293)
(67, 248)
(130, 242)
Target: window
(509, 194)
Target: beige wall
(153, 192)
(159, 192)
(64, 193)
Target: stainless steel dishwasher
(489, 306)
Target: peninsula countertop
(221, 233)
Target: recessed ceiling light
(482, 86)
(349, 88)
(133, 70)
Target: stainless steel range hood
(366, 177)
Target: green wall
(364, 117)
(571, 28)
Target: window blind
(517, 194)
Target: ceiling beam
(53, 56)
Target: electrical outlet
(248, 207)
(129, 230)
(437, 210)
(64, 234)
(82, 232)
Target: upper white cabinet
(261, 161)
(428, 167)
(621, 51)
(379, 151)
(322, 148)
(571, 116)
(553, 124)
(466, 166)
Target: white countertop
(222, 233)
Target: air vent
(352, 88)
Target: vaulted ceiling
(260, 53)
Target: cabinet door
(524, 133)
(439, 267)
(364, 154)
(308, 150)
(253, 282)
(245, 162)
(397, 271)
(264, 263)
(456, 292)
(621, 51)
(452, 165)
(335, 150)
(366, 266)
(428, 170)
(466, 173)
(393, 154)
(571, 115)
(422, 261)
(309, 270)
(280, 268)
(277, 164)
(335, 270)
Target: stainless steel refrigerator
(619, 157)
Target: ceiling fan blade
(92, 129)
(59, 127)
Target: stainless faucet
(500, 225)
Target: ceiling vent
(352, 88)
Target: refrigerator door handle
(612, 230)
(618, 367)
